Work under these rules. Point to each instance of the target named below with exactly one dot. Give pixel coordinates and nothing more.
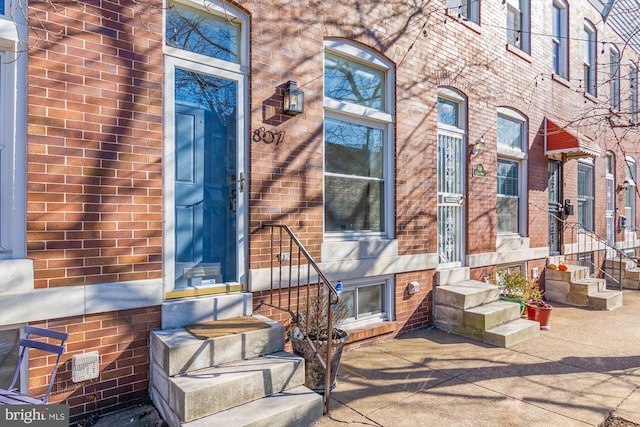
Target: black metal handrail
(590, 243)
(307, 286)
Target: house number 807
(268, 136)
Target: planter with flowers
(538, 309)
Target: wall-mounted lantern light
(478, 146)
(625, 185)
(293, 99)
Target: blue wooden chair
(10, 395)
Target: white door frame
(171, 63)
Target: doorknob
(242, 180)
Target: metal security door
(555, 207)
(450, 200)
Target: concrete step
(208, 391)
(452, 276)
(490, 315)
(466, 294)
(296, 407)
(605, 300)
(580, 290)
(188, 311)
(177, 351)
(632, 273)
(512, 333)
(625, 264)
(631, 283)
(573, 273)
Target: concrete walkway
(585, 368)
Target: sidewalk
(585, 368)
(577, 374)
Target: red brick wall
(94, 142)
(121, 339)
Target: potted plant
(537, 308)
(310, 339)
(514, 287)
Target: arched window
(358, 142)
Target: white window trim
(388, 313)
(593, 53)
(176, 58)
(13, 141)
(631, 175)
(563, 41)
(634, 101)
(454, 96)
(591, 164)
(525, 24)
(614, 79)
(509, 153)
(457, 6)
(367, 116)
(221, 9)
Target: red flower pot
(540, 314)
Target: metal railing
(587, 247)
(296, 281)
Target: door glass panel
(205, 179)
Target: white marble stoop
(245, 379)
(575, 287)
(473, 309)
(630, 273)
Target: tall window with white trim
(358, 129)
(559, 39)
(511, 171)
(633, 91)
(630, 194)
(589, 40)
(519, 24)
(614, 78)
(611, 197)
(586, 205)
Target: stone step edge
(266, 374)
(300, 405)
(526, 329)
(165, 342)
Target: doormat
(220, 328)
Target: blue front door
(207, 182)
